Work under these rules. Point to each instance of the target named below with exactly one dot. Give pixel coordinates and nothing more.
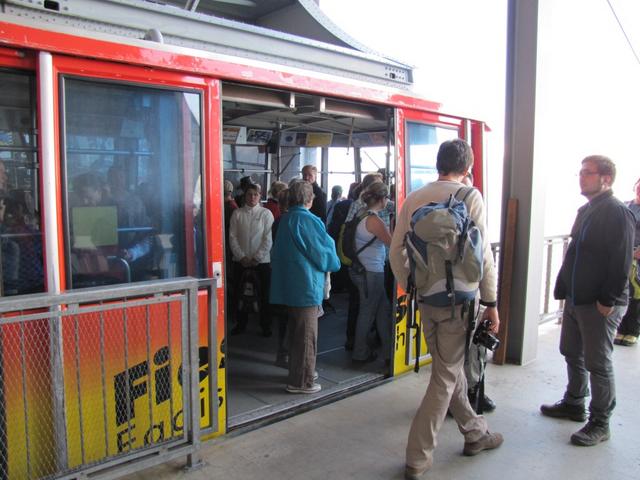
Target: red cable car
(113, 154)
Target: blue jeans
(374, 307)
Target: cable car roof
(286, 32)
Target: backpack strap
(370, 242)
(467, 191)
(413, 323)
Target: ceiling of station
(249, 11)
(303, 18)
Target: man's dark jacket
(319, 206)
(598, 260)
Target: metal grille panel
(89, 380)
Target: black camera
(485, 338)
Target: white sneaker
(315, 388)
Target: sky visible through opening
(588, 80)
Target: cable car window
(423, 142)
(373, 158)
(292, 159)
(133, 183)
(341, 169)
(245, 161)
(20, 232)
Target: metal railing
(555, 248)
(101, 382)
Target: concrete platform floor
(364, 436)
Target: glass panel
(424, 141)
(245, 160)
(20, 232)
(373, 159)
(341, 169)
(292, 159)
(134, 195)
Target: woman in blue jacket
(302, 254)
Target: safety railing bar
(213, 357)
(76, 328)
(131, 462)
(127, 374)
(149, 370)
(96, 294)
(210, 285)
(91, 309)
(171, 371)
(193, 458)
(186, 370)
(103, 382)
(25, 402)
(56, 355)
(547, 278)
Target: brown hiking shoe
(562, 409)
(488, 441)
(413, 473)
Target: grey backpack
(444, 248)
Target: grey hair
(300, 193)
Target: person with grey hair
(593, 281)
(319, 206)
(302, 253)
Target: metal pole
(194, 460)
(51, 215)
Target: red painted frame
(79, 67)
(176, 59)
(405, 115)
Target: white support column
(524, 180)
(47, 162)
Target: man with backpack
(445, 324)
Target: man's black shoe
(562, 409)
(487, 405)
(591, 434)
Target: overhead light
(330, 106)
(258, 96)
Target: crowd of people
(20, 240)
(294, 239)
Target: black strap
(358, 252)
(471, 326)
(414, 324)
(479, 388)
(450, 286)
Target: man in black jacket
(319, 207)
(593, 281)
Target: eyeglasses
(585, 173)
